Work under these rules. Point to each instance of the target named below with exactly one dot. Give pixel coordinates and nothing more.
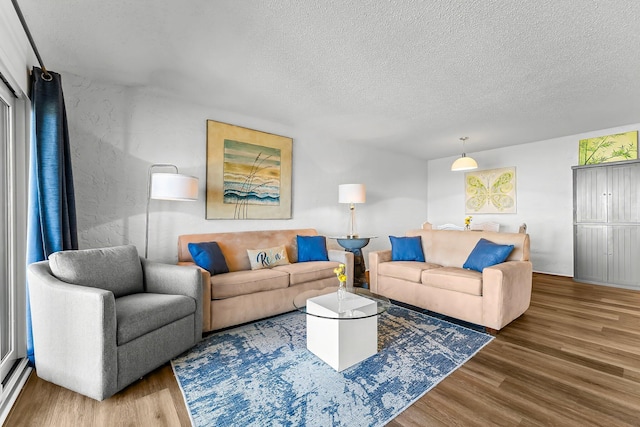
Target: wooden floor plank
(573, 359)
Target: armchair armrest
(506, 292)
(375, 258)
(345, 258)
(74, 333)
(173, 279)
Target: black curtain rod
(45, 74)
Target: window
(13, 193)
(7, 312)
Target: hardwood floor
(572, 359)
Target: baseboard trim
(13, 388)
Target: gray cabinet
(607, 224)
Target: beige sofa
(492, 298)
(243, 295)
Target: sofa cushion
(139, 314)
(454, 279)
(405, 270)
(116, 269)
(485, 254)
(247, 282)
(406, 248)
(267, 258)
(208, 255)
(312, 248)
(303, 272)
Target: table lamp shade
(174, 186)
(352, 193)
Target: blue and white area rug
(262, 373)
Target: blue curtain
(51, 223)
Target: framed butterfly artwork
(490, 191)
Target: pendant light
(464, 163)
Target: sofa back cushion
(234, 245)
(451, 248)
(116, 269)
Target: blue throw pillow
(486, 254)
(406, 248)
(312, 248)
(208, 255)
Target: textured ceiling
(412, 76)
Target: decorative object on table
(342, 278)
(464, 163)
(467, 222)
(248, 173)
(223, 379)
(168, 186)
(522, 228)
(355, 245)
(610, 148)
(490, 191)
(352, 194)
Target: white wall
(118, 132)
(544, 195)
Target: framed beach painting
(490, 191)
(611, 148)
(248, 173)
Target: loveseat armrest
(506, 292)
(375, 258)
(74, 333)
(173, 279)
(345, 258)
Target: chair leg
(491, 331)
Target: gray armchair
(102, 318)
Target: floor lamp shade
(174, 186)
(168, 186)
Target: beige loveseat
(243, 295)
(492, 298)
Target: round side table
(355, 245)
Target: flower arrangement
(467, 222)
(342, 277)
(339, 270)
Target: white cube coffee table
(342, 332)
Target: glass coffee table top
(358, 304)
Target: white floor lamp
(168, 186)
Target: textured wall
(117, 132)
(544, 195)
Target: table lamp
(352, 194)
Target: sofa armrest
(173, 279)
(375, 258)
(345, 258)
(74, 333)
(506, 292)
